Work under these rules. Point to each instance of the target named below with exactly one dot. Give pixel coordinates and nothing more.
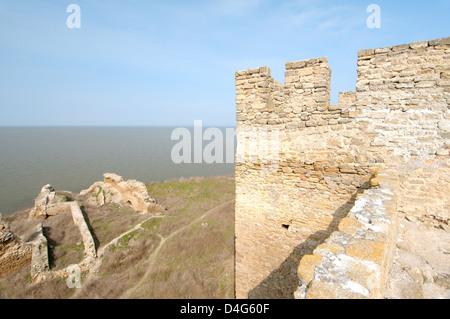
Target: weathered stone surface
(6, 236)
(320, 290)
(307, 267)
(420, 267)
(48, 204)
(441, 41)
(13, 255)
(418, 45)
(40, 269)
(365, 53)
(45, 199)
(350, 225)
(115, 190)
(367, 250)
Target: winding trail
(101, 252)
(151, 259)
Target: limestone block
(442, 41)
(6, 235)
(366, 250)
(350, 225)
(115, 190)
(307, 267)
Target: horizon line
(111, 126)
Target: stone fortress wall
(291, 198)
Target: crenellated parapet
(302, 163)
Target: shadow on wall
(51, 244)
(284, 281)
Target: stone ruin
(15, 255)
(115, 190)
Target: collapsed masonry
(113, 189)
(300, 206)
(40, 269)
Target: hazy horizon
(73, 158)
(168, 63)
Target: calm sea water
(74, 158)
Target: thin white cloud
(317, 16)
(237, 7)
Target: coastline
(73, 158)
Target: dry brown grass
(122, 267)
(197, 263)
(109, 221)
(18, 286)
(188, 200)
(65, 245)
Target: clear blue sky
(142, 63)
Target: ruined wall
(292, 196)
(115, 190)
(40, 269)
